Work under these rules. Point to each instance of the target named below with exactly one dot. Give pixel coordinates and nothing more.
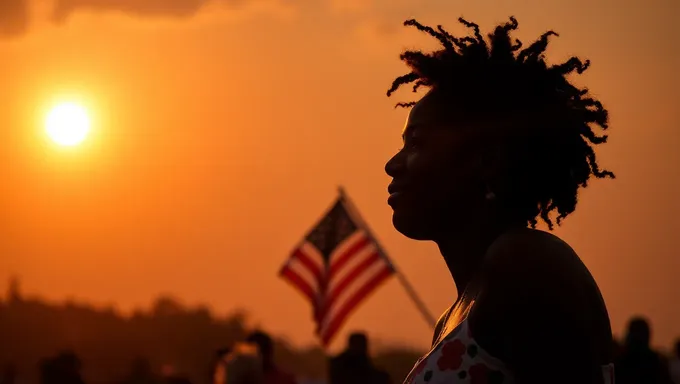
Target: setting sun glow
(67, 124)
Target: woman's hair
(497, 80)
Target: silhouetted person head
(264, 343)
(242, 365)
(639, 363)
(357, 344)
(638, 334)
(501, 137)
(63, 369)
(265, 349)
(676, 349)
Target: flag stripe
(348, 293)
(314, 255)
(352, 264)
(349, 279)
(303, 272)
(303, 258)
(298, 282)
(353, 303)
(347, 255)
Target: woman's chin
(409, 226)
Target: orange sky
(220, 137)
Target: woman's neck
(464, 251)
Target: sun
(67, 124)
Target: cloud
(141, 8)
(379, 19)
(379, 25)
(15, 16)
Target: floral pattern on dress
(452, 355)
(457, 359)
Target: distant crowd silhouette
(99, 347)
(234, 365)
(636, 363)
(170, 343)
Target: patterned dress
(458, 359)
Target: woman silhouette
(501, 140)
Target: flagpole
(422, 308)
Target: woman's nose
(394, 165)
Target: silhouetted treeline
(168, 335)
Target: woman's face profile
(434, 182)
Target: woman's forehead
(435, 114)
(426, 114)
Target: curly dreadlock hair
(554, 154)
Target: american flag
(336, 267)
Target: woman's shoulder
(531, 242)
(536, 288)
(530, 265)
(541, 274)
(530, 256)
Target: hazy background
(222, 128)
